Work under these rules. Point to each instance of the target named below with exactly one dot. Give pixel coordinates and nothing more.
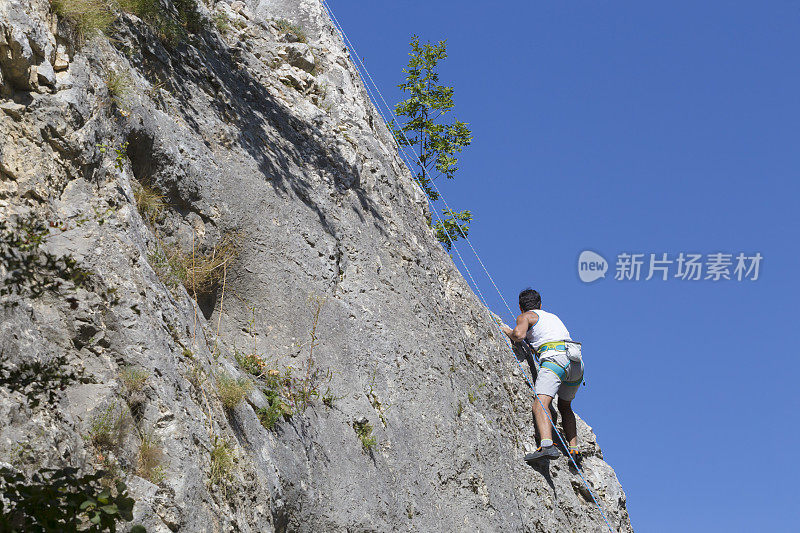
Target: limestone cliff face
(257, 141)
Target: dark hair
(529, 299)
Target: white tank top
(549, 328)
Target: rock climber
(560, 372)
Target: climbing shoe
(542, 454)
(575, 455)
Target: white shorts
(548, 382)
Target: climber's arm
(518, 333)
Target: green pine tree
(426, 131)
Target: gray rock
(310, 182)
(300, 56)
(62, 59)
(46, 74)
(12, 109)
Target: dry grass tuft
(88, 16)
(150, 204)
(119, 84)
(222, 462)
(133, 378)
(150, 460)
(231, 391)
(202, 272)
(198, 272)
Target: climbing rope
(408, 160)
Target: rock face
(143, 154)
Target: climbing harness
(409, 161)
(571, 348)
(561, 372)
(559, 346)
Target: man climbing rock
(561, 372)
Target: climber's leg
(568, 421)
(546, 449)
(540, 416)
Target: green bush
(277, 410)
(31, 271)
(61, 500)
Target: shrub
(29, 270)
(61, 500)
(150, 459)
(232, 391)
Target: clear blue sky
(639, 127)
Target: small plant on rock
(107, 430)
(222, 22)
(285, 26)
(364, 431)
(329, 399)
(251, 363)
(277, 410)
(121, 153)
(119, 84)
(168, 268)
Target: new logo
(591, 266)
